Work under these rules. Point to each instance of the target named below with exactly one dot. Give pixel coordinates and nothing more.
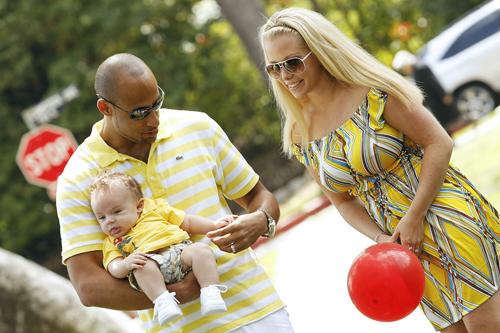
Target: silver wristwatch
(271, 224)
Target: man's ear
(103, 107)
(140, 205)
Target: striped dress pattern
(378, 164)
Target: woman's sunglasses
(293, 65)
(142, 112)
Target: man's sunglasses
(142, 112)
(293, 65)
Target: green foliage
(384, 27)
(226, 80)
(47, 45)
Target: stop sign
(44, 152)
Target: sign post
(49, 108)
(43, 154)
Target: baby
(148, 241)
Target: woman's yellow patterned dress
(377, 163)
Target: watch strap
(271, 224)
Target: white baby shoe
(211, 299)
(166, 308)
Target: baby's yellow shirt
(156, 229)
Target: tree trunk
(317, 7)
(246, 17)
(34, 299)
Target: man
(185, 158)
(436, 99)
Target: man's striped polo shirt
(194, 167)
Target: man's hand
(240, 234)
(224, 221)
(187, 289)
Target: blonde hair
(343, 59)
(107, 177)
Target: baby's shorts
(169, 262)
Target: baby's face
(116, 209)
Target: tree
(63, 42)
(205, 66)
(35, 299)
(246, 17)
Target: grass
(297, 203)
(477, 155)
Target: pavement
(308, 262)
(297, 209)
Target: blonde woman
(383, 161)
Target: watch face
(271, 225)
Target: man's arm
(96, 287)
(246, 229)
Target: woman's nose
(285, 74)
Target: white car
(465, 59)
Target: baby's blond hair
(105, 178)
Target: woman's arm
(421, 127)
(352, 211)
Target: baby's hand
(225, 220)
(135, 260)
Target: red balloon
(386, 282)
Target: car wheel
(474, 101)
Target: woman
(383, 161)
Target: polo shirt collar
(105, 155)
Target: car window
(476, 33)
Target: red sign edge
(34, 132)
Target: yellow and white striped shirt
(193, 166)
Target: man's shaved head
(113, 69)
